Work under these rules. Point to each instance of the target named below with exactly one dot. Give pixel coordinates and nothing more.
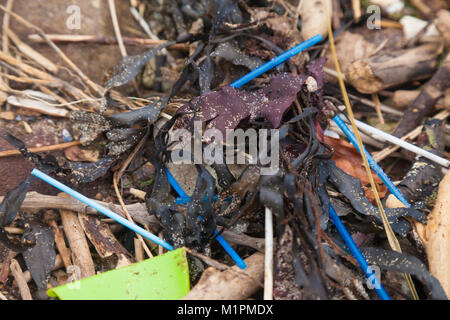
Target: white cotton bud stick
(381, 135)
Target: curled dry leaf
(348, 159)
(75, 153)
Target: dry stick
(77, 93)
(35, 201)
(69, 62)
(376, 102)
(77, 242)
(61, 245)
(144, 25)
(365, 101)
(6, 20)
(29, 80)
(2, 297)
(107, 40)
(4, 272)
(138, 250)
(436, 235)
(20, 280)
(123, 50)
(244, 240)
(112, 10)
(24, 67)
(383, 154)
(31, 53)
(424, 103)
(356, 6)
(9, 153)
(393, 242)
(116, 179)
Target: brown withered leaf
(348, 159)
(75, 153)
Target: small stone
(311, 84)
(67, 137)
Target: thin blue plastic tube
(357, 254)
(277, 61)
(226, 246)
(39, 174)
(372, 163)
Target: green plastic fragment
(164, 277)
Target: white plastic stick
(268, 262)
(381, 135)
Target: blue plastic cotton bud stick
(358, 255)
(277, 61)
(372, 163)
(100, 208)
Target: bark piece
(230, 284)
(78, 243)
(442, 23)
(427, 98)
(436, 235)
(385, 70)
(103, 240)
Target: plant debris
(122, 152)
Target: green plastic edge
(164, 277)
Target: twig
(376, 102)
(356, 6)
(116, 178)
(20, 280)
(138, 250)
(31, 53)
(69, 62)
(112, 9)
(77, 241)
(383, 154)
(9, 153)
(74, 38)
(244, 240)
(61, 245)
(35, 202)
(6, 21)
(268, 261)
(5, 28)
(4, 272)
(379, 134)
(149, 32)
(2, 297)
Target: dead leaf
(349, 160)
(75, 153)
